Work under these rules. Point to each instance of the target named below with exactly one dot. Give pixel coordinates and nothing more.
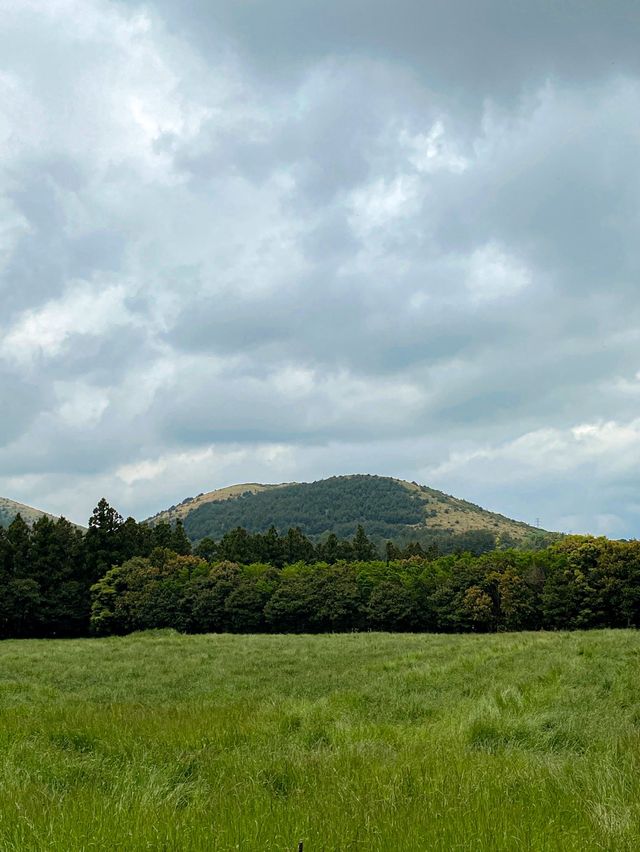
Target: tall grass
(347, 742)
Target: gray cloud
(250, 241)
(492, 47)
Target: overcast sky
(274, 240)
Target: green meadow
(374, 741)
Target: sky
(276, 240)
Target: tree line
(47, 569)
(577, 583)
(122, 576)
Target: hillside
(10, 508)
(189, 504)
(389, 509)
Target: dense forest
(578, 583)
(122, 576)
(336, 505)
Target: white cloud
(549, 454)
(383, 202)
(492, 274)
(433, 151)
(85, 309)
(80, 405)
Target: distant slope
(389, 509)
(189, 504)
(10, 508)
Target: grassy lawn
(364, 741)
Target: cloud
(84, 310)
(289, 240)
(598, 456)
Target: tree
(179, 541)
(517, 601)
(329, 551)
(205, 597)
(315, 599)
(57, 565)
(162, 534)
(207, 549)
(477, 607)
(143, 593)
(19, 540)
(270, 547)
(6, 558)
(414, 548)
(363, 549)
(244, 606)
(102, 541)
(391, 552)
(391, 606)
(237, 546)
(297, 547)
(558, 600)
(134, 539)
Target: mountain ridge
(387, 507)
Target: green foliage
(582, 582)
(392, 606)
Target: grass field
(368, 742)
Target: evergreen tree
(19, 539)
(329, 551)
(134, 539)
(6, 558)
(162, 535)
(237, 546)
(270, 547)
(179, 542)
(391, 552)
(297, 547)
(102, 541)
(363, 549)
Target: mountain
(388, 509)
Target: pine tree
(179, 541)
(102, 541)
(363, 549)
(330, 550)
(161, 535)
(297, 547)
(19, 538)
(134, 539)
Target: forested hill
(388, 509)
